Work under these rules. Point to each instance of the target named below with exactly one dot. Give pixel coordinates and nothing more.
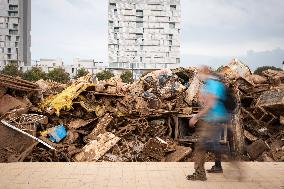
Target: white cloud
(69, 29)
(221, 27)
(78, 28)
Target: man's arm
(209, 102)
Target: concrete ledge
(137, 175)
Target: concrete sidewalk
(137, 175)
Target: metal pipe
(29, 135)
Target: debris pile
(261, 109)
(143, 121)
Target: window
(139, 35)
(115, 35)
(141, 47)
(112, 5)
(13, 32)
(9, 50)
(139, 12)
(172, 25)
(115, 12)
(72, 70)
(116, 29)
(141, 59)
(13, 14)
(15, 26)
(178, 60)
(170, 48)
(16, 44)
(17, 38)
(173, 7)
(170, 42)
(170, 36)
(139, 24)
(167, 54)
(110, 23)
(13, 7)
(139, 18)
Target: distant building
(89, 65)
(47, 65)
(15, 27)
(143, 35)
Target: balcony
(139, 18)
(13, 13)
(13, 32)
(13, 7)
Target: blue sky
(213, 31)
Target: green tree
(58, 75)
(12, 70)
(127, 77)
(104, 75)
(259, 70)
(81, 72)
(34, 74)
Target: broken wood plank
(257, 148)
(95, 149)
(250, 136)
(180, 153)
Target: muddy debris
(143, 121)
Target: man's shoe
(196, 176)
(215, 169)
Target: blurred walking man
(210, 120)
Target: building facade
(143, 35)
(90, 65)
(46, 65)
(15, 27)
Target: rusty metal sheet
(17, 83)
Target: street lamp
(132, 66)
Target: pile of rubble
(144, 121)
(260, 112)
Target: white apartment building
(143, 35)
(15, 27)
